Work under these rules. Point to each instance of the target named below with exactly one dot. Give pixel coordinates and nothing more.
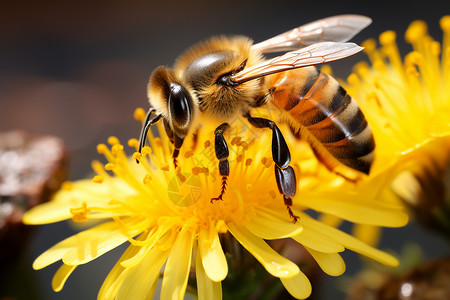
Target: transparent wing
(334, 29)
(312, 55)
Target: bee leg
(284, 174)
(145, 128)
(221, 149)
(178, 142)
(195, 139)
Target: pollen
(102, 149)
(110, 166)
(116, 149)
(416, 31)
(273, 194)
(369, 45)
(80, 214)
(235, 140)
(189, 154)
(445, 23)
(134, 143)
(413, 58)
(266, 161)
(353, 79)
(146, 150)
(139, 114)
(147, 179)
(327, 70)
(112, 140)
(388, 38)
(136, 156)
(98, 179)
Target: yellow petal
(141, 279)
(274, 263)
(60, 277)
(352, 208)
(206, 288)
(349, 241)
(97, 241)
(211, 254)
(298, 286)
(313, 239)
(57, 252)
(330, 263)
(116, 276)
(369, 234)
(269, 225)
(93, 194)
(178, 266)
(49, 212)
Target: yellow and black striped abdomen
(327, 116)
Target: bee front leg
(148, 122)
(284, 174)
(221, 149)
(177, 143)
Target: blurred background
(78, 69)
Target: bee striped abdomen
(329, 117)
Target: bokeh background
(78, 69)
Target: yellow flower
(407, 103)
(167, 216)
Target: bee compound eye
(180, 107)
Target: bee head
(172, 100)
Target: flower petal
(49, 212)
(330, 263)
(141, 280)
(97, 241)
(60, 277)
(313, 239)
(211, 254)
(178, 266)
(81, 191)
(349, 206)
(206, 288)
(349, 241)
(116, 276)
(298, 286)
(269, 225)
(369, 234)
(274, 263)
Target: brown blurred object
(427, 281)
(32, 168)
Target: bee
(226, 77)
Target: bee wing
(334, 29)
(312, 55)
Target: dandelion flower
(167, 216)
(407, 103)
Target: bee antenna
(146, 126)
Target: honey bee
(226, 77)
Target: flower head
(168, 218)
(407, 103)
